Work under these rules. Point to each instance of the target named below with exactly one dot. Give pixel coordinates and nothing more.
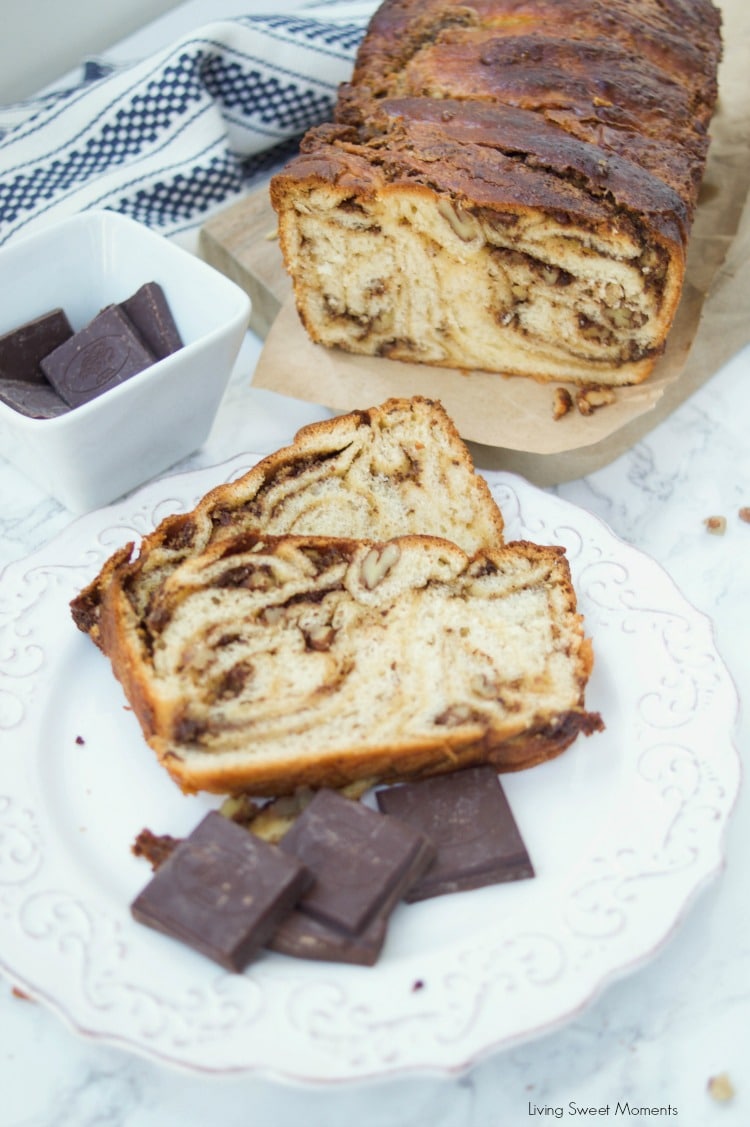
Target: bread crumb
(590, 399)
(562, 403)
(156, 848)
(716, 525)
(720, 1087)
(744, 514)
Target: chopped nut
(623, 318)
(483, 686)
(272, 819)
(744, 514)
(462, 223)
(650, 257)
(562, 403)
(319, 637)
(613, 294)
(358, 787)
(720, 1087)
(239, 808)
(378, 562)
(716, 525)
(590, 329)
(589, 399)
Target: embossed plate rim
(321, 1023)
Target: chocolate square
(36, 400)
(467, 816)
(362, 862)
(303, 937)
(222, 891)
(100, 356)
(149, 311)
(23, 348)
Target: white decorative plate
(623, 829)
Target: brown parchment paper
(508, 420)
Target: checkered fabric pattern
(168, 138)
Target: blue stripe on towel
(169, 137)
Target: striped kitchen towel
(167, 139)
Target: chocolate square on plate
(303, 937)
(467, 816)
(222, 891)
(361, 861)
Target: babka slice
(388, 471)
(265, 664)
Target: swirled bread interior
(387, 471)
(268, 663)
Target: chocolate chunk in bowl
(22, 349)
(35, 400)
(468, 818)
(87, 458)
(149, 311)
(100, 356)
(222, 891)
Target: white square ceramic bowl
(101, 450)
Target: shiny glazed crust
(507, 185)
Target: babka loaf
(264, 663)
(388, 471)
(508, 185)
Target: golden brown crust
(518, 752)
(86, 606)
(115, 625)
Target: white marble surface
(655, 1037)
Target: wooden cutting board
(241, 242)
